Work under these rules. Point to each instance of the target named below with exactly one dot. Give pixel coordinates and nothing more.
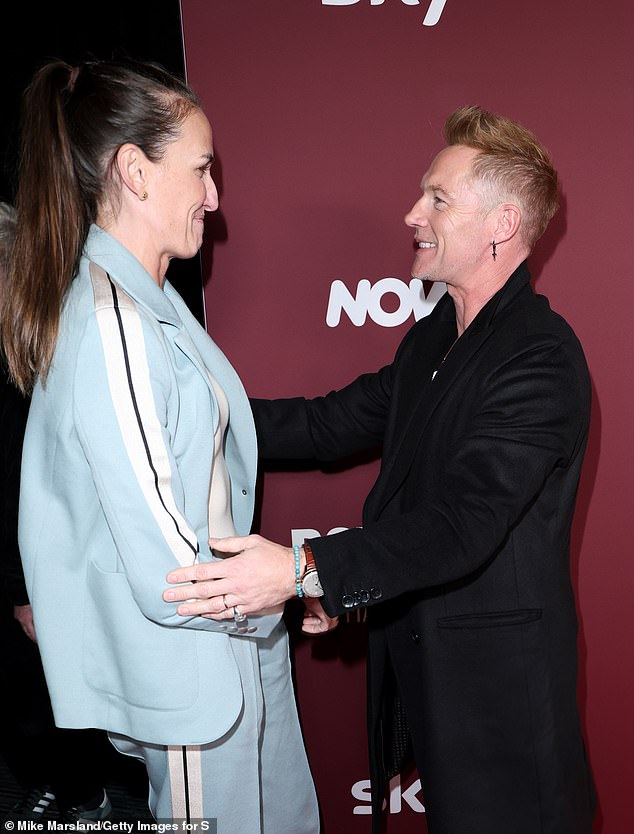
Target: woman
(139, 445)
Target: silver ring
(238, 616)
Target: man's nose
(415, 216)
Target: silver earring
(494, 248)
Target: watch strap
(310, 558)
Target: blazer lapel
(183, 341)
(206, 356)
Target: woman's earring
(143, 196)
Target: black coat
(14, 409)
(463, 557)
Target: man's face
(451, 235)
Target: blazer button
(347, 600)
(376, 593)
(364, 597)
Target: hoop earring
(494, 252)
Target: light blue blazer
(116, 468)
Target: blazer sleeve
(124, 388)
(532, 419)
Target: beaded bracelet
(298, 583)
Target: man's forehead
(449, 168)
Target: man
(463, 557)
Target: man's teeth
(424, 244)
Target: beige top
(219, 512)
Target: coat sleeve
(532, 420)
(332, 427)
(125, 397)
(326, 428)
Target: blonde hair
(513, 165)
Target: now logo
(367, 301)
(432, 17)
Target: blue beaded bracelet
(298, 583)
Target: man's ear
(509, 220)
(132, 165)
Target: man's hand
(316, 621)
(24, 615)
(260, 576)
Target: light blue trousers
(254, 779)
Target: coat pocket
(126, 655)
(491, 619)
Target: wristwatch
(311, 586)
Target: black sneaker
(34, 805)
(90, 813)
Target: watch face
(311, 585)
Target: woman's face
(181, 190)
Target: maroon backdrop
(325, 116)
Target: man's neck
(470, 298)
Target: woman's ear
(132, 166)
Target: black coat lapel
(396, 466)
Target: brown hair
(7, 233)
(513, 165)
(74, 120)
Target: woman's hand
(24, 615)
